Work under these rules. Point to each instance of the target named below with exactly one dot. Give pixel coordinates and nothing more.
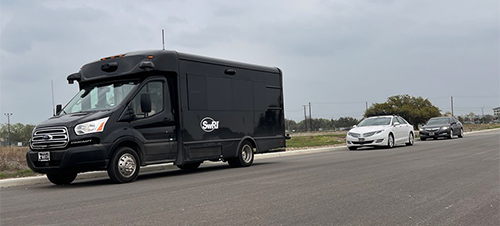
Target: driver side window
(155, 90)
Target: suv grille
(50, 138)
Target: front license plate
(44, 156)
(361, 139)
(431, 133)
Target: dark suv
(442, 127)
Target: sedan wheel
(390, 141)
(451, 134)
(411, 140)
(461, 134)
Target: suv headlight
(95, 126)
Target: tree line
(320, 124)
(19, 133)
(416, 110)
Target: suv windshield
(98, 98)
(380, 121)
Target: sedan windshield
(98, 98)
(382, 121)
(438, 121)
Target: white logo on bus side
(208, 124)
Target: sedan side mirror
(397, 123)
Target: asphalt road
(443, 182)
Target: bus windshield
(98, 98)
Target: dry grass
(476, 127)
(13, 158)
(13, 162)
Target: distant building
(496, 111)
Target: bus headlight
(95, 126)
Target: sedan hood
(435, 126)
(365, 129)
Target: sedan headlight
(95, 126)
(355, 135)
(444, 128)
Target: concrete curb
(14, 182)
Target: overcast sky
(338, 55)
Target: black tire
(124, 166)
(411, 140)
(245, 156)
(423, 138)
(352, 148)
(450, 136)
(461, 134)
(189, 166)
(390, 141)
(61, 178)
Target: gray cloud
(336, 54)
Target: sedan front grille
(49, 138)
(368, 134)
(432, 129)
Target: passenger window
(155, 90)
(402, 121)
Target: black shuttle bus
(162, 106)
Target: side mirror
(287, 136)
(397, 123)
(146, 102)
(58, 109)
(354, 126)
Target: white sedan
(385, 131)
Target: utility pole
(310, 117)
(482, 112)
(305, 116)
(452, 106)
(8, 125)
(53, 103)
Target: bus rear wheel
(245, 156)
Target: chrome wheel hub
(127, 165)
(246, 153)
